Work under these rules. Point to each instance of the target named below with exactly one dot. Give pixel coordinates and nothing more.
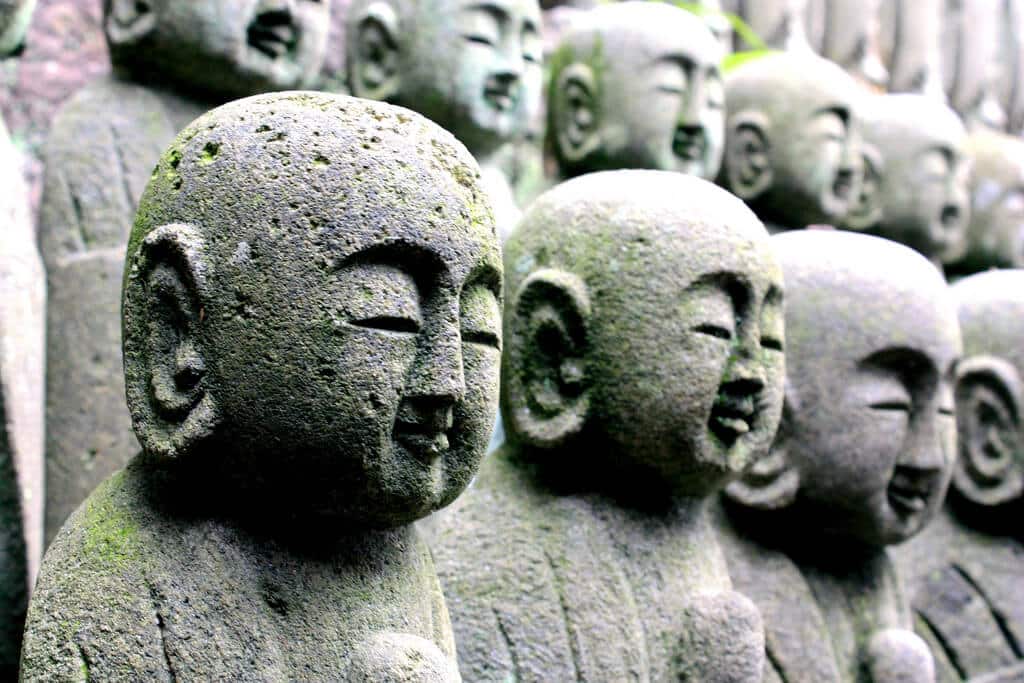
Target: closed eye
(481, 337)
(477, 38)
(901, 406)
(771, 343)
(714, 331)
(389, 323)
(947, 411)
(671, 89)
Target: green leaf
(737, 59)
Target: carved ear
(373, 53)
(748, 171)
(772, 482)
(165, 370)
(990, 469)
(574, 110)
(545, 374)
(866, 209)
(127, 22)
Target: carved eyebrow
(901, 360)
(417, 261)
(842, 112)
(485, 275)
(735, 286)
(773, 297)
(497, 11)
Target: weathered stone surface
(100, 154)
(965, 571)
(474, 68)
(862, 459)
(971, 37)
(1010, 58)
(849, 37)
(637, 85)
(995, 232)
(790, 151)
(916, 167)
(642, 370)
(910, 38)
(307, 377)
(779, 23)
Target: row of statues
(727, 439)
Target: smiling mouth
(950, 217)
(500, 98)
(908, 494)
(689, 144)
(843, 186)
(732, 417)
(273, 40)
(425, 446)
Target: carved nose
(437, 373)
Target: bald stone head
(995, 233)
(637, 85)
(990, 394)
(916, 170)
(643, 331)
(471, 66)
(15, 16)
(790, 148)
(218, 49)
(312, 306)
(867, 441)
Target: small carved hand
(899, 656)
(723, 640)
(400, 658)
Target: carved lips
(424, 432)
(732, 416)
(689, 143)
(910, 490)
(274, 34)
(501, 93)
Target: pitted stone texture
(100, 155)
(964, 572)
(862, 458)
(641, 372)
(312, 324)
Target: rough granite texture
(791, 148)
(915, 175)
(99, 156)
(642, 370)
(637, 85)
(965, 572)
(862, 459)
(312, 333)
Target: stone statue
(849, 37)
(472, 67)
(909, 40)
(862, 459)
(971, 34)
(791, 151)
(642, 370)
(312, 324)
(914, 188)
(995, 233)
(965, 571)
(779, 23)
(22, 295)
(173, 59)
(1010, 58)
(637, 85)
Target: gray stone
(172, 61)
(311, 333)
(790, 148)
(964, 572)
(779, 23)
(1010, 58)
(995, 233)
(472, 67)
(971, 37)
(849, 37)
(862, 459)
(916, 168)
(637, 85)
(909, 40)
(15, 16)
(642, 371)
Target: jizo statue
(862, 459)
(637, 85)
(849, 37)
(312, 332)
(791, 149)
(472, 67)
(995, 233)
(22, 296)
(964, 572)
(910, 42)
(779, 23)
(915, 175)
(172, 59)
(642, 371)
(971, 43)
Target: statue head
(15, 16)
(312, 307)
(221, 50)
(990, 393)
(472, 67)
(866, 445)
(791, 149)
(914, 187)
(637, 85)
(643, 335)
(995, 233)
